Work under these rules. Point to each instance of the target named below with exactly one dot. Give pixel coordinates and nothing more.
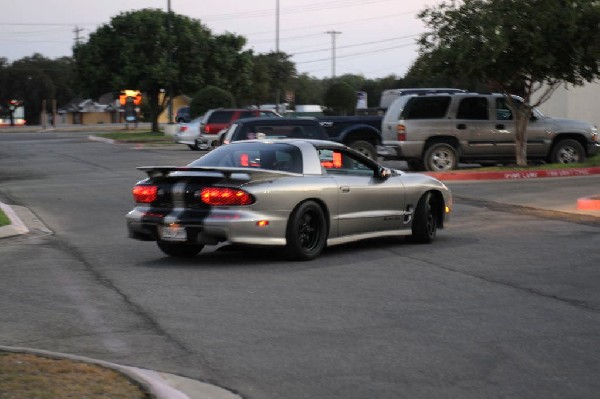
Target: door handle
(500, 126)
(461, 126)
(345, 189)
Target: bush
(208, 98)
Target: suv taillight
(401, 133)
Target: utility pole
(170, 88)
(77, 30)
(333, 34)
(277, 93)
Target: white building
(575, 102)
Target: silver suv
(437, 131)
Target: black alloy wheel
(425, 220)
(179, 250)
(306, 232)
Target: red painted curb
(589, 203)
(514, 175)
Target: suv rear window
(426, 107)
(220, 117)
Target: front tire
(425, 220)
(306, 232)
(179, 250)
(568, 151)
(193, 147)
(365, 148)
(441, 157)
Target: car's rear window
(280, 157)
(433, 107)
(220, 117)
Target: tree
(341, 98)
(154, 51)
(308, 89)
(272, 74)
(208, 98)
(34, 79)
(525, 47)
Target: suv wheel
(568, 151)
(441, 157)
(365, 148)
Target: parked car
(273, 128)
(437, 131)
(183, 115)
(215, 120)
(300, 195)
(188, 132)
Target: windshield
(271, 156)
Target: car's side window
(473, 108)
(340, 162)
(503, 111)
(426, 107)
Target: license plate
(172, 233)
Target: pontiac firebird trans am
(301, 195)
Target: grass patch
(30, 376)
(134, 137)
(4, 220)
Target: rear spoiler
(237, 174)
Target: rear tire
(365, 148)
(306, 232)
(425, 220)
(179, 250)
(441, 157)
(567, 151)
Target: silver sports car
(301, 195)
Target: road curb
(513, 175)
(159, 385)
(16, 226)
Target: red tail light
(183, 128)
(401, 132)
(225, 196)
(145, 194)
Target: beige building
(572, 102)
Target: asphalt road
(506, 303)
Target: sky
(375, 38)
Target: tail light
(401, 133)
(225, 196)
(183, 128)
(145, 194)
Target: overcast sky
(377, 36)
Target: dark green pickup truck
(362, 133)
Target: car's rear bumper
(241, 227)
(401, 150)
